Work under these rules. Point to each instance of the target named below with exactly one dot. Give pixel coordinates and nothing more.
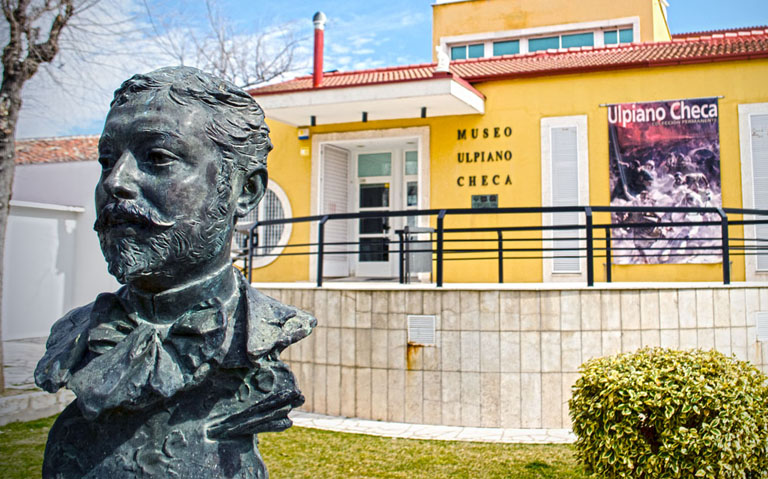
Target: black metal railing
(619, 235)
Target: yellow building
(532, 112)
(515, 113)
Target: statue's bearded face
(164, 206)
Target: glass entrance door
(375, 193)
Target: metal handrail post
(402, 257)
(724, 245)
(501, 255)
(320, 248)
(407, 259)
(590, 249)
(249, 261)
(608, 258)
(440, 222)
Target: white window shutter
(759, 134)
(335, 188)
(565, 192)
(761, 320)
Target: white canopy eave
(444, 96)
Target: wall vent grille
(762, 325)
(421, 329)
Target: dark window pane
(625, 36)
(536, 44)
(610, 38)
(372, 225)
(511, 47)
(374, 249)
(412, 198)
(374, 195)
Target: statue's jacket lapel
(110, 358)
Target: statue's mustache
(116, 213)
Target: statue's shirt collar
(170, 305)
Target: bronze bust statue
(177, 371)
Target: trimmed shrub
(660, 413)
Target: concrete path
(19, 360)
(432, 432)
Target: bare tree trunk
(10, 104)
(21, 57)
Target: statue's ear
(254, 187)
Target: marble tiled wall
(503, 358)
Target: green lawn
(309, 453)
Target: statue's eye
(161, 157)
(105, 160)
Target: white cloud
(340, 49)
(409, 19)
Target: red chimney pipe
(317, 73)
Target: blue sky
(359, 35)
(362, 34)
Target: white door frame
(421, 133)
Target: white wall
(52, 262)
(39, 265)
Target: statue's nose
(122, 179)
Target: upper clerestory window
(535, 44)
(468, 51)
(578, 40)
(612, 37)
(510, 47)
(586, 39)
(544, 43)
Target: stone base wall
(27, 406)
(503, 358)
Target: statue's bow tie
(138, 362)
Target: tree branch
(46, 51)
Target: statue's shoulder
(67, 345)
(273, 325)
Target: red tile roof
(732, 45)
(57, 150)
(724, 30)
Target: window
(586, 39)
(753, 139)
(565, 176)
(411, 184)
(511, 47)
(272, 238)
(545, 43)
(374, 164)
(476, 51)
(468, 51)
(579, 40)
(529, 40)
(411, 163)
(459, 53)
(612, 37)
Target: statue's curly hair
(237, 122)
